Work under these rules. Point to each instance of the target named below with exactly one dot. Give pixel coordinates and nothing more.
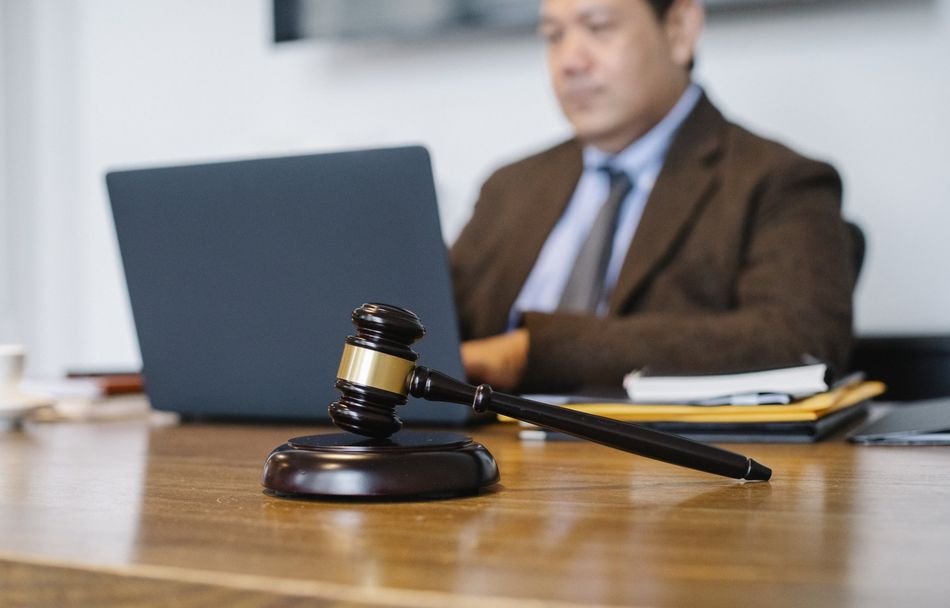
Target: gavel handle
(431, 385)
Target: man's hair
(660, 7)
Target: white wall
(6, 301)
(45, 248)
(113, 83)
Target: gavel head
(376, 364)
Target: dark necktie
(585, 285)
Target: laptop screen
(242, 276)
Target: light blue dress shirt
(642, 160)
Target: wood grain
(118, 513)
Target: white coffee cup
(11, 367)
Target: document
(751, 388)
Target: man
(725, 251)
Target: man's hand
(499, 360)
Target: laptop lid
(242, 276)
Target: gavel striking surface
(410, 464)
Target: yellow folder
(810, 408)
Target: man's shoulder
(751, 168)
(561, 157)
(745, 148)
(707, 133)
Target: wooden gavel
(378, 371)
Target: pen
(747, 399)
(848, 380)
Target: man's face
(616, 69)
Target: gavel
(378, 371)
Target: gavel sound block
(376, 459)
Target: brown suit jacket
(741, 260)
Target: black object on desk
(924, 423)
(376, 374)
(912, 367)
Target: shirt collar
(650, 147)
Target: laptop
(242, 277)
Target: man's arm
(475, 251)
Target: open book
(750, 388)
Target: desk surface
(122, 513)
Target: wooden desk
(93, 514)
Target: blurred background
(98, 84)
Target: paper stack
(800, 420)
(751, 388)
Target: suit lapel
(547, 198)
(687, 179)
